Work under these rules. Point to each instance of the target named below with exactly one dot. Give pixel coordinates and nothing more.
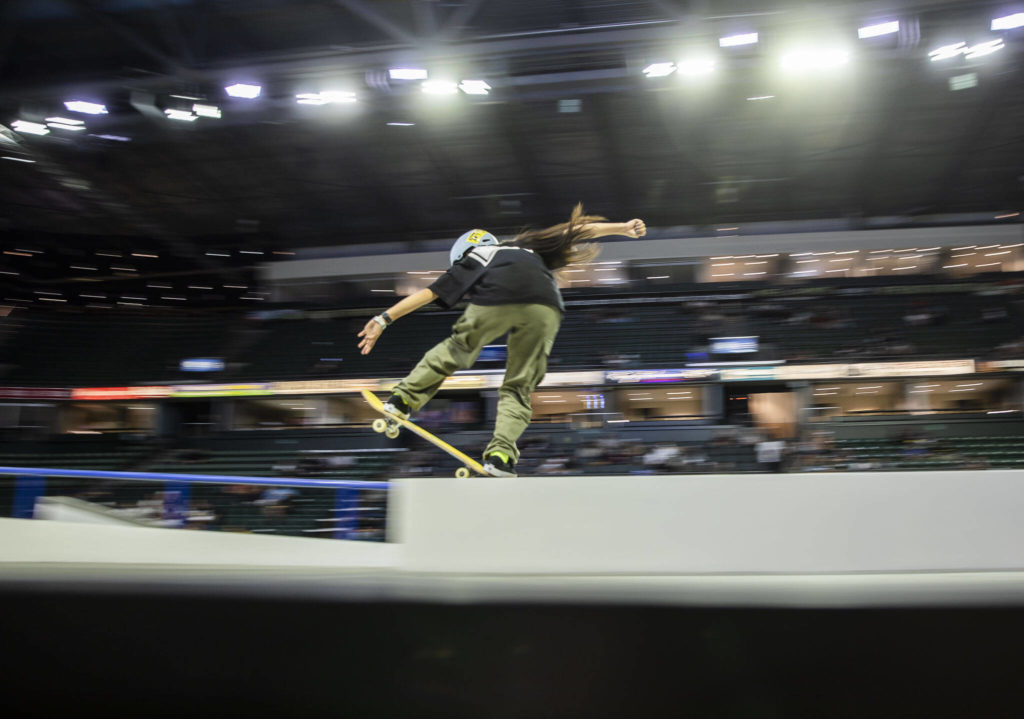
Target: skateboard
(390, 426)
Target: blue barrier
(214, 478)
(30, 484)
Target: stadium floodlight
(87, 108)
(475, 87)
(439, 87)
(29, 128)
(878, 29)
(183, 115)
(947, 52)
(407, 73)
(240, 89)
(65, 126)
(65, 120)
(749, 38)
(815, 59)
(696, 66)
(659, 69)
(1008, 22)
(206, 111)
(326, 97)
(984, 48)
(339, 96)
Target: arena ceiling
(570, 116)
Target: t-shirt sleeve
(453, 284)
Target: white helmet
(469, 240)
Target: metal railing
(30, 485)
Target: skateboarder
(510, 288)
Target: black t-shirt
(498, 275)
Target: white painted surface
(69, 509)
(636, 526)
(788, 523)
(40, 541)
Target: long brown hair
(562, 244)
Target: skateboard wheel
(379, 425)
(462, 472)
(392, 432)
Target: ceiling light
(29, 128)
(88, 108)
(206, 110)
(963, 82)
(407, 73)
(65, 120)
(115, 138)
(984, 48)
(17, 159)
(761, 97)
(325, 97)
(439, 87)
(1009, 22)
(659, 69)
(884, 28)
(63, 126)
(474, 87)
(696, 66)
(401, 124)
(815, 59)
(947, 52)
(183, 115)
(749, 38)
(239, 89)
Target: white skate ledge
(712, 524)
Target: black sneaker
(397, 406)
(497, 467)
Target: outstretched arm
(633, 228)
(375, 327)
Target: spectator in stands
(663, 457)
(511, 289)
(770, 454)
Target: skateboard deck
(389, 424)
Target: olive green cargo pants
(531, 334)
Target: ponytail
(563, 244)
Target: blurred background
(202, 202)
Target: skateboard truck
(390, 429)
(390, 426)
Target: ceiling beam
(615, 157)
(459, 19)
(426, 20)
(986, 108)
(373, 17)
(132, 37)
(300, 62)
